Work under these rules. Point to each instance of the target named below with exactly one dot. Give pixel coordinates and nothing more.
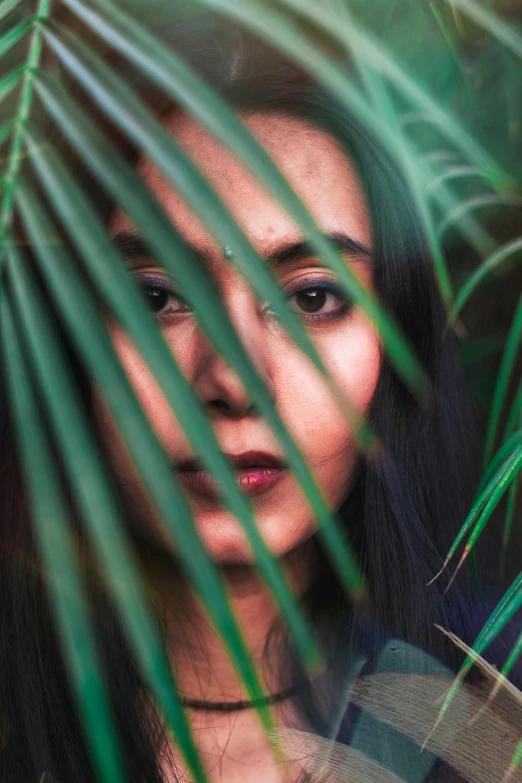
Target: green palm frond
(160, 64)
(457, 180)
(59, 558)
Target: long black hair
(402, 512)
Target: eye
(161, 297)
(319, 301)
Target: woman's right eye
(161, 297)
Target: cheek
(311, 411)
(149, 394)
(354, 361)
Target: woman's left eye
(319, 302)
(162, 299)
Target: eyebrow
(132, 245)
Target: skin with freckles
(325, 180)
(233, 745)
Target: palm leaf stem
(15, 157)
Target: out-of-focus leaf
(23, 109)
(8, 6)
(161, 65)
(98, 505)
(503, 253)
(505, 372)
(144, 447)
(56, 544)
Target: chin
(228, 545)
(224, 538)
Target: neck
(201, 663)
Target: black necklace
(231, 706)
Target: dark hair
(402, 514)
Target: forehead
(315, 166)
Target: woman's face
(348, 344)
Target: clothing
(391, 701)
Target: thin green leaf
(144, 447)
(13, 36)
(110, 273)
(452, 173)
(504, 611)
(379, 93)
(448, 38)
(365, 47)
(19, 120)
(475, 234)
(515, 761)
(470, 286)
(507, 366)
(507, 448)
(515, 415)
(164, 241)
(192, 277)
(466, 224)
(477, 202)
(504, 33)
(502, 484)
(513, 657)
(93, 491)
(112, 94)
(5, 130)
(168, 70)
(484, 495)
(61, 568)
(508, 521)
(9, 82)
(8, 6)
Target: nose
(218, 385)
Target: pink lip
(255, 472)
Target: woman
(400, 509)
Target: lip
(255, 471)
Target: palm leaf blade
(58, 556)
(142, 442)
(95, 497)
(160, 63)
(110, 273)
(209, 309)
(8, 6)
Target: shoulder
(392, 717)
